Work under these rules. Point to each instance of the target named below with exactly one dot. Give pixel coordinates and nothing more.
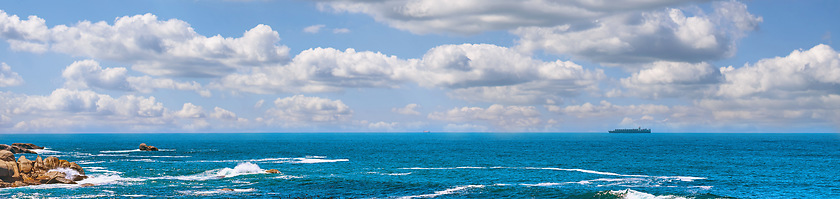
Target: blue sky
(417, 65)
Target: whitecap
(121, 151)
(444, 192)
(633, 194)
(89, 162)
(215, 191)
(43, 151)
(241, 169)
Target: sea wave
(633, 194)
(214, 191)
(44, 151)
(444, 192)
(321, 159)
(245, 168)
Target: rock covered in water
(24, 172)
(27, 146)
(14, 149)
(144, 147)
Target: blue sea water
(443, 165)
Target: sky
(419, 65)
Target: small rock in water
(144, 147)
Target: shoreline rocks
(24, 172)
(144, 147)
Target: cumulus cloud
(320, 70)
(314, 28)
(511, 118)
(301, 110)
(474, 72)
(9, 77)
(470, 17)
(89, 74)
(70, 109)
(409, 109)
(674, 79)
(152, 46)
(489, 73)
(815, 72)
(668, 34)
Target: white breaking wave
(444, 192)
(214, 192)
(283, 160)
(633, 194)
(68, 172)
(44, 151)
(241, 169)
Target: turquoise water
(444, 165)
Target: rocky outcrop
(27, 146)
(14, 149)
(144, 147)
(24, 172)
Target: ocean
(443, 165)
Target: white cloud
(475, 72)
(607, 109)
(341, 31)
(89, 74)
(190, 110)
(489, 73)
(673, 79)
(470, 17)
(510, 118)
(409, 109)
(302, 110)
(813, 72)
(319, 70)
(314, 28)
(648, 36)
(152, 46)
(9, 77)
(83, 110)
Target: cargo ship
(638, 130)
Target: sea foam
(245, 168)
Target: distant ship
(638, 130)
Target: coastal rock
(9, 171)
(25, 172)
(272, 171)
(27, 146)
(144, 147)
(14, 149)
(7, 156)
(51, 163)
(25, 165)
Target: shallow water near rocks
(444, 165)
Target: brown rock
(144, 147)
(14, 149)
(272, 171)
(78, 168)
(25, 165)
(51, 163)
(63, 163)
(27, 146)
(7, 156)
(87, 185)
